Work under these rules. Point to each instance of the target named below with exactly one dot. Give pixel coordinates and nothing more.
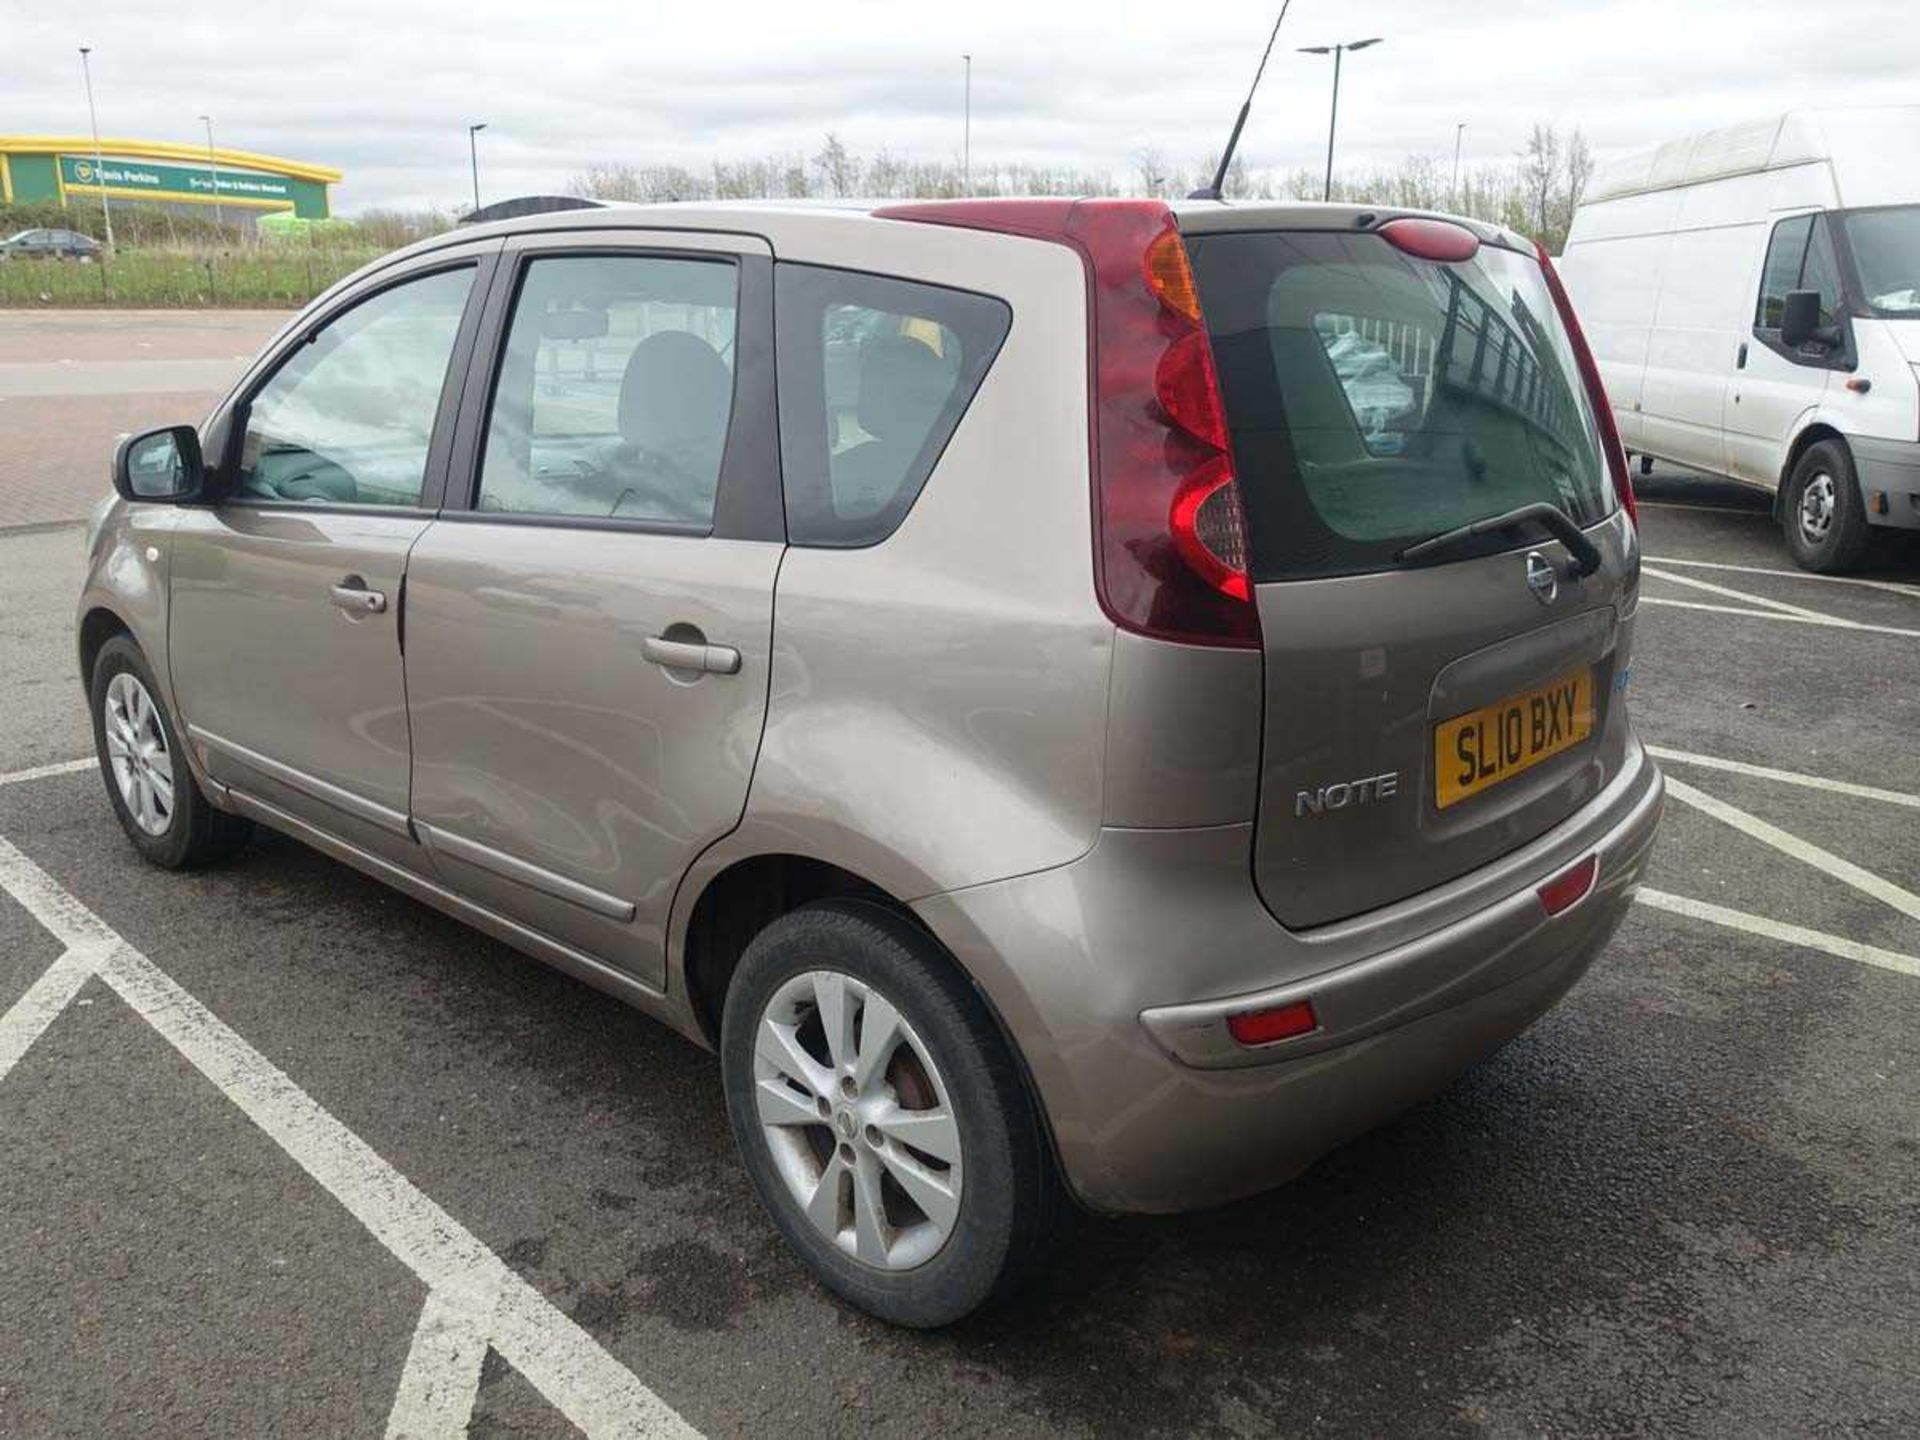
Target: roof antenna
(1212, 192)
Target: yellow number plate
(1476, 751)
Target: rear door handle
(353, 596)
(691, 655)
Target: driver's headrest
(676, 392)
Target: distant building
(62, 168)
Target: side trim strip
(521, 872)
(324, 791)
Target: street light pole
(1333, 118)
(219, 217)
(966, 133)
(473, 154)
(1458, 131)
(99, 171)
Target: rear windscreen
(1376, 399)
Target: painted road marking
(1779, 930)
(1774, 615)
(1912, 592)
(1785, 777)
(41, 772)
(1731, 594)
(1845, 871)
(471, 1291)
(442, 1378)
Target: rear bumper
(1112, 975)
(1890, 468)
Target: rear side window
(874, 375)
(1375, 399)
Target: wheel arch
(97, 626)
(733, 900)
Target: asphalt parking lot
(288, 1153)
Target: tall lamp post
(966, 132)
(473, 155)
(99, 173)
(1333, 119)
(219, 216)
(1458, 131)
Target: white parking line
(1775, 615)
(1785, 777)
(1845, 871)
(1779, 930)
(41, 772)
(471, 1290)
(1912, 592)
(1729, 593)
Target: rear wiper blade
(1544, 513)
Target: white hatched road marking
(473, 1295)
(1731, 594)
(1785, 777)
(1775, 615)
(1845, 871)
(1912, 592)
(442, 1378)
(1779, 930)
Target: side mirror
(1800, 321)
(160, 465)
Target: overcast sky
(384, 91)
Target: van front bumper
(1114, 975)
(1890, 468)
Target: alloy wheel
(137, 752)
(857, 1119)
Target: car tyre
(1824, 516)
(143, 763)
(834, 1152)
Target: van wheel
(882, 1118)
(165, 814)
(1824, 517)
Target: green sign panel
(193, 181)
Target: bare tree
(1540, 167)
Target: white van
(1753, 297)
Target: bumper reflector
(1281, 1022)
(1570, 887)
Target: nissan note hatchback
(1075, 701)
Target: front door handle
(691, 655)
(1740, 360)
(353, 596)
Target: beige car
(1078, 703)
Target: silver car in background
(1077, 702)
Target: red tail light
(1170, 545)
(1596, 392)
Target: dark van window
(1375, 399)
(874, 375)
(1781, 273)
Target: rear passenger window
(874, 376)
(615, 391)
